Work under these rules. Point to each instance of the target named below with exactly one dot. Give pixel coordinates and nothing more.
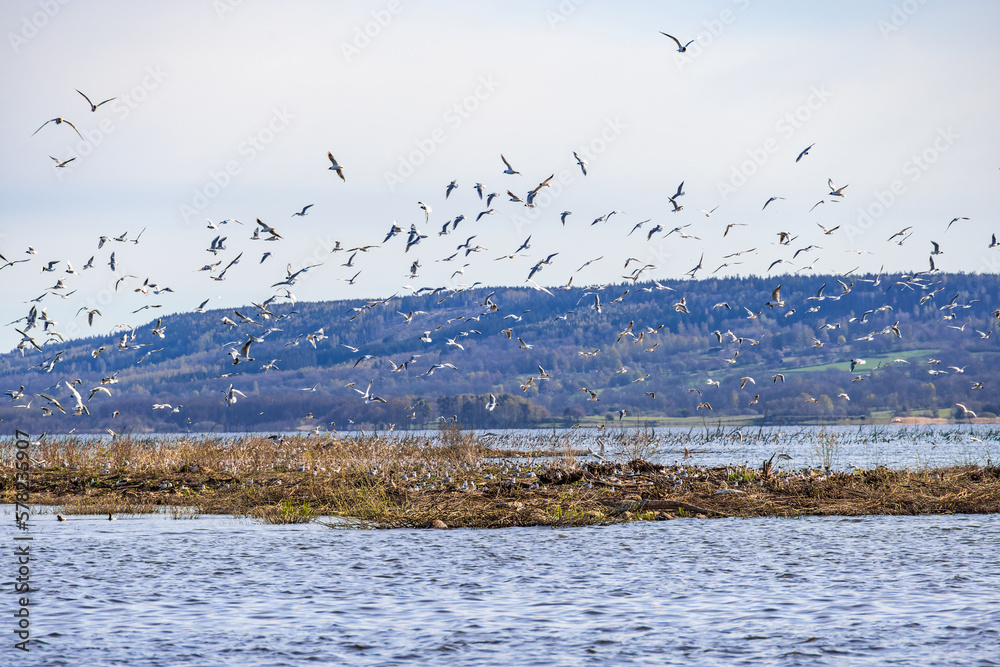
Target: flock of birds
(252, 325)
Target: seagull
(61, 163)
(769, 201)
(302, 213)
(835, 191)
(509, 169)
(492, 403)
(335, 167)
(731, 225)
(451, 186)
(805, 152)
(229, 395)
(680, 193)
(59, 121)
(901, 232)
(681, 48)
(580, 161)
(966, 411)
(93, 107)
(953, 221)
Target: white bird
(509, 169)
(336, 167)
(966, 411)
(61, 163)
(229, 395)
(835, 191)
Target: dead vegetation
(462, 481)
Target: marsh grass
(522, 479)
(826, 447)
(285, 512)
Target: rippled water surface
(154, 590)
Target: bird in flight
(580, 161)
(681, 48)
(509, 169)
(805, 152)
(335, 167)
(59, 121)
(93, 107)
(302, 213)
(901, 232)
(966, 411)
(835, 191)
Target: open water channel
(215, 590)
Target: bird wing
(677, 41)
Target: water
(893, 446)
(153, 590)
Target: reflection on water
(806, 591)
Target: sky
(226, 109)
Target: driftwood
(639, 505)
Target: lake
(866, 446)
(215, 590)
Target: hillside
(649, 351)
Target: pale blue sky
(895, 96)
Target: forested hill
(672, 349)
